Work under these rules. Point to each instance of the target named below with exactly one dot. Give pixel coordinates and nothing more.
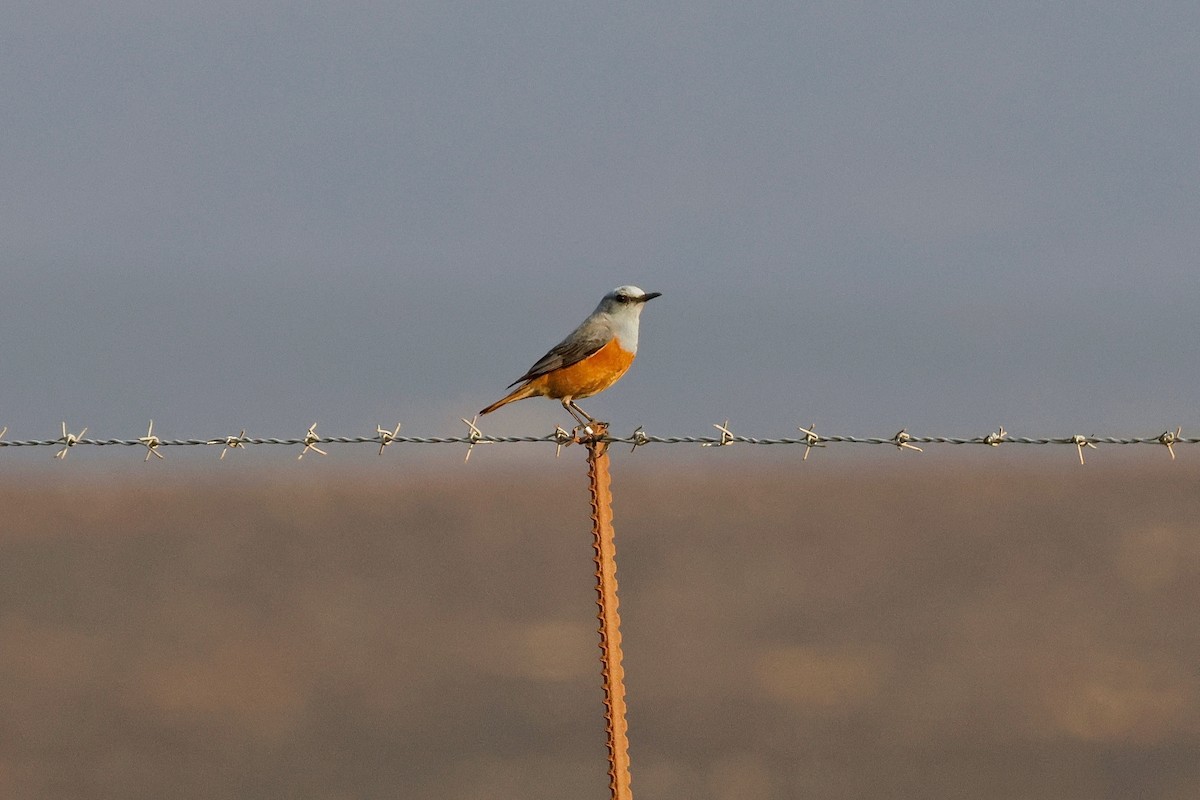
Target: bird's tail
(520, 393)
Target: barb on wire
(811, 439)
(727, 436)
(638, 437)
(231, 443)
(474, 436)
(152, 442)
(311, 440)
(68, 441)
(562, 438)
(1081, 442)
(994, 439)
(386, 437)
(1169, 439)
(904, 442)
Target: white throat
(624, 325)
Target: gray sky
(944, 215)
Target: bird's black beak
(650, 296)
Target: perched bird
(590, 360)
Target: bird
(588, 361)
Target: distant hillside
(908, 632)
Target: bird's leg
(567, 406)
(572, 409)
(592, 424)
(586, 415)
(593, 428)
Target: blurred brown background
(790, 631)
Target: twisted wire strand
(558, 437)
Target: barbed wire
(311, 441)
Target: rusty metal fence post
(610, 621)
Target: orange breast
(585, 378)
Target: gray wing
(586, 339)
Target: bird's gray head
(619, 312)
(626, 300)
